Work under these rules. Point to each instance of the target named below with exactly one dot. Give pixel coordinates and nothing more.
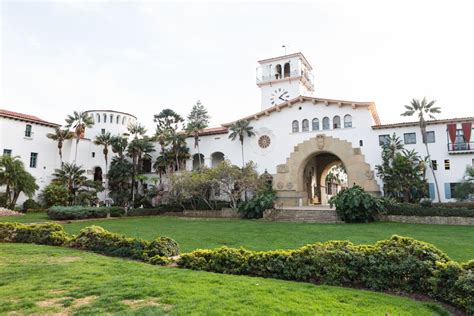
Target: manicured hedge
(399, 264)
(43, 234)
(97, 239)
(81, 212)
(93, 238)
(443, 209)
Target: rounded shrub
(354, 205)
(43, 234)
(163, 246)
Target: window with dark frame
(409, 138)
(430, 137)
(434, 164)
(447, 164)
(28, 130)
(33, 160)
(383, 139)
(7, 152)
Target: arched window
(216, 158)
(124, 120)
(286, 70)
(98, 174)
(105, 118)
(146, 165)
(117, 121)
(315, 124)
(295, 126)
(336, 122)
(111, 118)
(198, 160)
(98, 118)
(347, 120)
(278, 71)
(326, 122)
(305, 125)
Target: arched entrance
(324, 176)
(291, 181)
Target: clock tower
(284, 78)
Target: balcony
(461, 148)
(306, 77)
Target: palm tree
(15, 179)
(198, 120)
(137, 149)
(72, 176)
(137, 129)
(60, 135)
(79, 121)
(119, 145)
(240, 130)
(178, 142)
(421, 109)
(104, 140)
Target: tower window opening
(278, 71)
(295, 126)
(286, 70)
(305, 125)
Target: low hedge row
(399, 264)
(93, 238)
(407, 209)
(81, 212)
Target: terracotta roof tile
(25, 117)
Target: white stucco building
(299, 137)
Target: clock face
(278, 96)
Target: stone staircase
(308, 214)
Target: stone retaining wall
(224, 213)
(441, 220)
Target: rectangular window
(33, 160)
(430, 137)
(409, 138)
(102, 131)
(28, 130)
(7, 152)
(93, 154)
(459, 143)
(447, 164)
(383, 139)
(434, 164)
(452, 189)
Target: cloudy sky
(144, 56)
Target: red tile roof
(212, 131)
(429, 122)
(25, 117)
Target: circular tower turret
(114, 122)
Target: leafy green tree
(465, 189)
(120, 180)
(240, 130)
(60, 135)
(15, 179)
(72, 177)
(402, 172)
(198, 120)
(169, 123)
(104, 140)
(138, 149)
(79, 121)
(55, 194)
(421, 109)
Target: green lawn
(456, 241)
(46, 280)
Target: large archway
(292, 185)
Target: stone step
(302, 215)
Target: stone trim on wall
(438, 220)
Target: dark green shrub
(81, 212)
(255, 207)
(426, 203)
(163, 246)
(438, 209)
(354, 205)
(30, 204)
(55, 195)
(159, 261)
(43, 234)
(97, 239)
(144, 211)
(399, 265)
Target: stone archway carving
(289, 180)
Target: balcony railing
(292, 74)
(461, 147)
